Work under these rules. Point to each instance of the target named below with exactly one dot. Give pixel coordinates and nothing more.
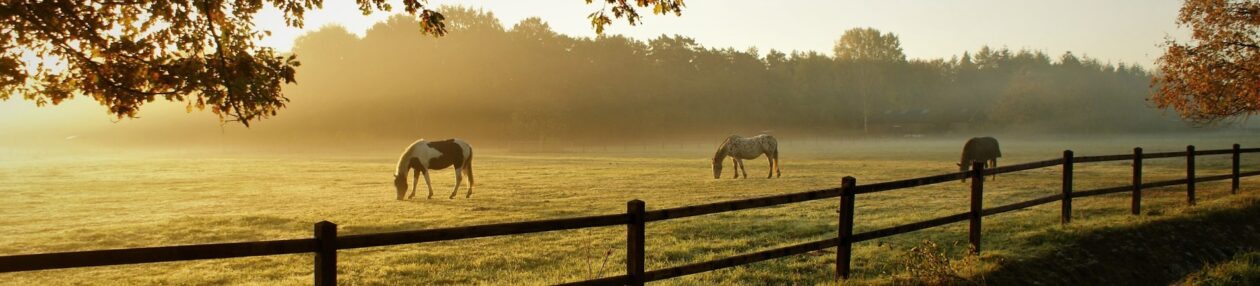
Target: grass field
(53, 203)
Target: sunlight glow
(1116, 31)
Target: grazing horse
(740, 148)
(423, 156)
(980, 149)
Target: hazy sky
(1111, 30)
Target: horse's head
(400, 183)
(962, 168)
(717, 168)
(718, 157)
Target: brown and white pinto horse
(740, 149)
(423, 156)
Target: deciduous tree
(868, 44)
(205, 53)
(872, 51)
(1215, 76)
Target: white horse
(423, 156)
(740, 149)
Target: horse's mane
(404, 162)
(721, 151)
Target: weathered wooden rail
(326, 242)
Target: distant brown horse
(980, 149)
(740, 149)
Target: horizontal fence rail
(1104, 158)
(1163, 155)
(1024, 166)
(456, 233)
(326, 241)
(666, 273)
(720, 207)
(1104, 191)
(910, 183)
(900, 229)
(1213, 152)
(153, 254)
(1022, 205)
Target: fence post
(977, 204)
(1066, 216)
(1234, 187)
(844, 250)
(325, 253)
(635, 237)
(1190, 174)
(1137, 181)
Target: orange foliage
(1217, 75)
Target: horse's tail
(774, 147)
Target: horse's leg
(459, 178)
(427, 183)
(743, 168)
(735, 163)
(777, 172)
(771, 166)
(415, 179)
(468, 169)
(968, 168)
(994, 166)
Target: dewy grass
(1242, 269)
(122, 201)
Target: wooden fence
(325, 241)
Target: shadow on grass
(1158, 252)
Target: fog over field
(516, 84)
(566, 126)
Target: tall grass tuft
(593, 274)
(928, 264)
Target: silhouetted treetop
(868, 44)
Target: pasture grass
(1242, 269)
(139, 199)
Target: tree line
(527, 82)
